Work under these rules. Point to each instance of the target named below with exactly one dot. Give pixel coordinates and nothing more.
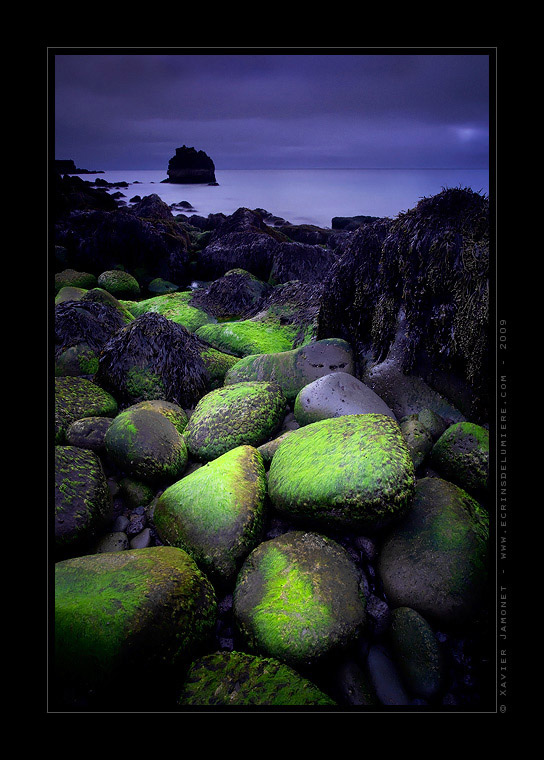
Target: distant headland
(67, 166)
(189, 167)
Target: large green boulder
(435, 560)
(216, 512)
(294, 369)
(83, 503)
(299, 597)
(146, 445)
(73, 279)
(461, 455)
(244, 413)
(225, 679)
(249, 336)
(351, 471)
(126, 622)
(174, 306)
(78, 397)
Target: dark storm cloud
(267, 110)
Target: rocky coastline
(271, 455)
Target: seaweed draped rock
(125, 622)
(153, 357)
(350, 471)
(216, 513)
(298, 597)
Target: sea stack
(190, 166)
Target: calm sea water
(305, 196)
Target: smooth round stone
(385, 677)
(334, 395)
(141, 540)
(117, 541)
(298, 597)
(418, 439)
(434, 560)
(88, 433)
(351, 471)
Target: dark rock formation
(67, 166)
(189, 167)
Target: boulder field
(261, 498)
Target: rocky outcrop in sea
(271, 457)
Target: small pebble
(142, 540)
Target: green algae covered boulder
(145, 444)
(173, 412)
(299, 597)
(78, 397)
(294, 369)
(217, 364)
(241, 679)
(73, 279)
(418, 439)
(69, 293)
(249, 336)
(83, 503)
(126, 621)
(174, 306)
(216, 512)
(461, 455)
(435, 560)
(120, 284)
(76, 361)
(351, 471)
(417, 652)
(243, 413)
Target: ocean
(303, 196)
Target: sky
(131, 110)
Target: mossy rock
(216, 513)
(159, 287)
(461, 455)
(268, 449)
(77, 361)
(174, 306)
(135, 492)
(146, 445)
(335, 395)
(238, 679)
(249, 336)
(83, 503)
(435, 560)
(69, 293)
(432, 421)
(296, 368)
(298, 597)
(417, 652)
(244, 413)
(118, 283)
(418, 439)
(74, 279)
(173, 412)
(127, 622)
(78, 397)
(217, 364)
(351, 471)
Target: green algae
(119, 283)
(298, 597)
(250, 336)
(174, 306)
(237, 678)
(461, 455)
(118, 613)
(243, 413)
(78, 397)
(217, 364)
(354, 470)
(216, 512)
